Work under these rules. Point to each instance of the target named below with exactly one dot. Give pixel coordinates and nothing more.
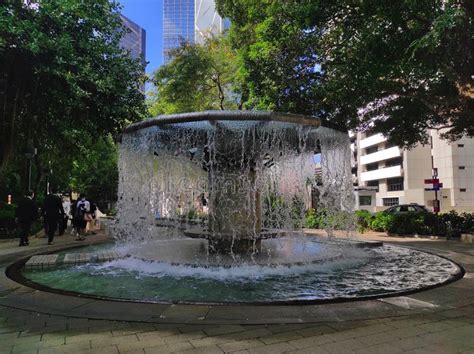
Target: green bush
(406, 223)
(274, 211)
(450, 224)
(7, 211)
(315, 218)
(363, 219)
(381, 222)
(468, 224)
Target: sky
(148, 14)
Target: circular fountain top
(213, 116)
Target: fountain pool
(211, 209)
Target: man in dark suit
(52, 212)
(25, 214)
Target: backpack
(80, 211)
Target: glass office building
(178, 24)
(134, 40)
(189, 20)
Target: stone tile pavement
(31, 332)
(448, 328)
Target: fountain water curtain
(211, 209)
(231, 178)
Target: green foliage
(363, 219)
(381, 221)
(7, 211)
(450, 224)
(94, 171)
(315, 218)
(192, 214)
(410, 61)
(198, 77)
(274, 211)
(64, 82)
(297, 211)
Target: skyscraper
(134, 40)
(188, 20)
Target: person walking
(82, 216)
(25, 214)
(53, 213)
(67, 211)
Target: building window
(373, 166)
(460, 145)
(371, 150)
(462, 190)
(397, 161)
(373, 184)
(390, 201)
(365, 200)
(395, 184)
(462, 167)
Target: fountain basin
(351, 274)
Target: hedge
(450, 224)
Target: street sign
(436, 187)
(433, 180)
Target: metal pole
(29, 174)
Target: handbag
(87, 217)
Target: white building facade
(398, 175)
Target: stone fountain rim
(265, 116)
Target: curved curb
(42, 299)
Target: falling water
(213, 210)
(230, 180)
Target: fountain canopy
(249, 172)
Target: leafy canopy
(198, 77)
(398, 67)
(64, 81)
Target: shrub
(315, 218)
(363, 219)
(468, 224)
(7, 211)
(454, 223)
(450, 224)
(407, 223)
(381, 222)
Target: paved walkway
(436, 321)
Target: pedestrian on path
(82, 216)
(67, 211)
(25, 214)
(52, 213)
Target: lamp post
(30, 154)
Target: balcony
(372, 140)
(382, 173)
(381, 155)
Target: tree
(95, 172)
(63, 78)
(397, 67)
(198, 77)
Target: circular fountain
(248, 175)
(211, 207)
